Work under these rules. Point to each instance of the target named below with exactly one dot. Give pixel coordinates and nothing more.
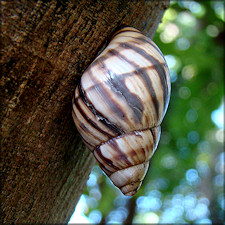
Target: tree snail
(119, 105)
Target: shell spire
(119, 105)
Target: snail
(119, 104)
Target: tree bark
(45, 47)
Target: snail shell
(119, 105)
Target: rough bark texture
(45, 47)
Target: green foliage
(184, 166)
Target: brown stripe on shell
(132, 183)
(107, 172)
(127, 133)
(156, 131)
(123, 177)
(132, 188)
(84, 130)
(88, 120)
(117, 84)
(142, 149)
(157, 66)
(145, 77)
(154, 138)
(125, 158)
(146, 40)
(125, 29)
(90, 146)
(113, 105)
(104, 120)
(121, 155)
(122, 76)
(107, 161)
(141, 38)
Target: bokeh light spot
(201, 210)
(184, 92)
(173, 75)
(170, 33)
(193, 137)
(212, 30)
(192, 176)
(204, 147)
(170, 15)
(217, 116)
(203, 168)
(183, 44)
(92, 181)
(152, 218)
(187, 19)
(219, 180)
(221, 200)
(117, 216)
(169, 161)
(196, 8)
(95, 216)
(190, 201)
(191, 115)
(188, 72)
(219, 9)
(220, 135)
(220, 167)
(184, 152)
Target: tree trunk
(45, 47)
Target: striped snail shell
(119, 105)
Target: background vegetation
(185, 180)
